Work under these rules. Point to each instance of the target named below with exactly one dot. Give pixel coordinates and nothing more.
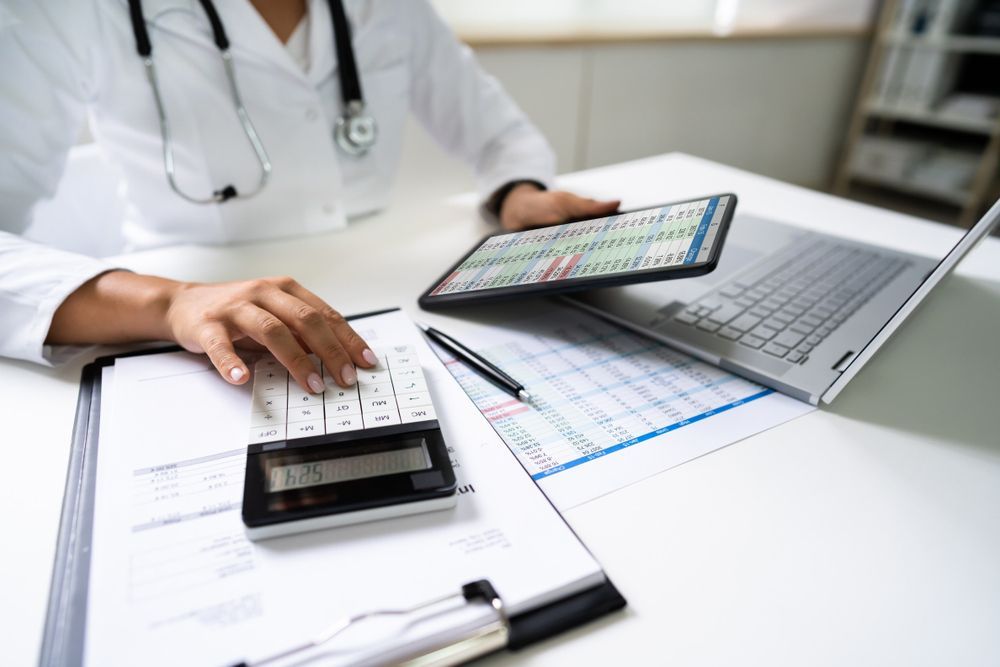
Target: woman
(278, 171)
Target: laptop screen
(977, 233)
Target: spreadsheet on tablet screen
(668, 236)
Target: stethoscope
(354, 131)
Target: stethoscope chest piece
(355, 131)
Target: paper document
(609, 407)
(174, 581)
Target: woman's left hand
(527, 206)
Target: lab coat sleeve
(468, 112)
(43, 89)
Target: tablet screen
(676, 235)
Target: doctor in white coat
(63, 59)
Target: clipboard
(65, 623)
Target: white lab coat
(60, 59)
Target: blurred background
(894, 103)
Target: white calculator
(369, 452)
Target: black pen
(477, 363)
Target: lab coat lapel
(322, 54)
(253, 39)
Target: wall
(775, 105)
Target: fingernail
(369, 356)
(315, 383)
(236, 374)
(348, 375)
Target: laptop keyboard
(787, 305)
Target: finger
(359, 351)
(583, 207)
(313, 329)
(215, 342)
(565, 207)
(247, 343)
(552, 214)
(267, 329)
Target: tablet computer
(674, 240)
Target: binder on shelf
(949, 16)
(65, 631)
(922, 50)
(916, 79)
(901, 17)
(890, 79)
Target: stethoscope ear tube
(142, 43)
(355, 131)
(350, 84)
(218, 32)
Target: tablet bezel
(428, 302)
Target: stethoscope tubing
(354, 131)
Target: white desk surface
(867, 532)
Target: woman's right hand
(276, 314)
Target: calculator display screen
(675, 236)
(344, 469)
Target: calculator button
(407, 386)
(400, 349)
(380, 389)
(372, 376)
(277, 387)
(267, 403)
(270, 374)
(267, 363)
(417, 414)
(400, 360)
(343, 409)
(303, 413)
(300, 398)
(305, 429)
(406, 373)
(267, 434)
(272, 418)
(341, 424)
(378, 404)
(334, 393)
(373, 419)
(416, 399)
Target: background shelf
(934, 118)
(927, 119)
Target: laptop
(798, 311)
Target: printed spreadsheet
(609, 407)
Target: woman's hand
(273, 313)
(276, 314)
(527, 206)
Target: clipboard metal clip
(485, 639)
